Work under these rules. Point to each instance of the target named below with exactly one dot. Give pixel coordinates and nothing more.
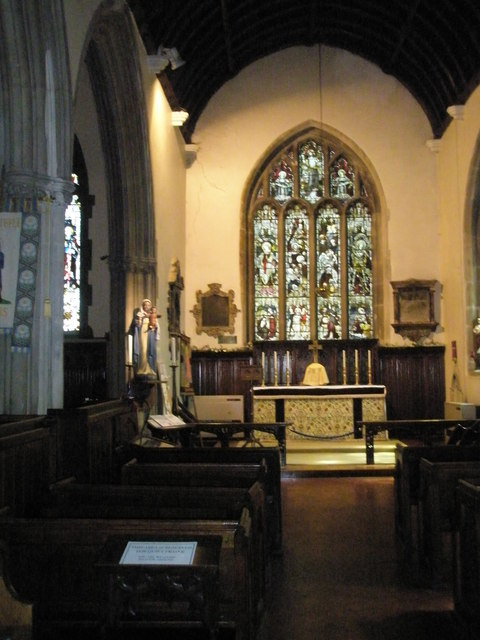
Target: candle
(173, 350)
(129, 349)
(288, 360)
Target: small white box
(460, 411)
(219, 408)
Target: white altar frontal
(322, 411)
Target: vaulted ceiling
(431, 46)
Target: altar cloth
(323, 412)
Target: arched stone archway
(115, 77)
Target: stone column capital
(27, 184)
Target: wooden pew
(24, 463)
(437, 516)
(15, 615)
(188, 474)
(169, 503)
(148, 451)
(407, 483)
(466, 589)
(199, 474)
(56, 564)
(90, 440)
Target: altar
(327, 411)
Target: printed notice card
(145, 552)
(165, 421)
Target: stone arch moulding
(115, 76)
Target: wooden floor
(339, 577)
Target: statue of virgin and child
(145, 332)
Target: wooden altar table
(328, 411)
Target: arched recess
(376, 197)
(472, 255)
(115, 77)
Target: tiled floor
(339, 576)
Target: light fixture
(179, 117)
(163, 58)
(175, 58)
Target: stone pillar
(33, 357)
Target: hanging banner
(10, 228)
(27, 276)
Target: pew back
(407, 478)
(203, 504)
(193, 474)
(466, 592)
(437, 510)
(270, 455)
(25, 464)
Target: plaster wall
(168, 178)
(457, 159)
(247, 115)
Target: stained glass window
(310, 244)
(329, 276)
(359, 243)
(342, 180)
(281, 182)
(311, 171)
(265, 225)
(72, 265)
(297, 277)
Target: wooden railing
(427, 431)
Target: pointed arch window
(77, 252)
(72, 263)
(310, 244)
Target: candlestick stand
(173, 367)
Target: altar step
(338, 458)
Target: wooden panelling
(85, 366)
(24, 464)
(415, 381)
(414, 376)
(222, 373)
(88, 439)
